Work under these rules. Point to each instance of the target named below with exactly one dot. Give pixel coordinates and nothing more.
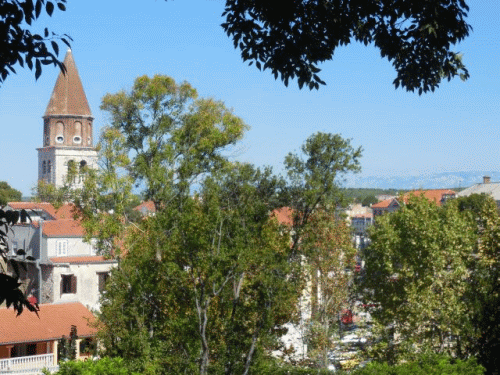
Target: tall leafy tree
(327, 246)
(205, 284)
(433, 270)
(315, 177)
(206, 276)
(208, 285)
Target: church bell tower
(67, 130)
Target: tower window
(48, 167)
(77, 139)
(60, 132)
(44, 168)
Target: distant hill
(445, 180)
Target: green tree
(430, 364)
(203, 285)
(209, 285)
(327, 245)
(196, 271)
(46, 192)
(103, 366)
(8, 194)
(369, 200)
(484, 287)
(292, 38)
(18, 44)
(315, 175)
(433, 270)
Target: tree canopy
(205, 284)
(433, 272)
(292, 38)
(8, 194)
(18, 44)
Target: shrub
(425, 365)
(103, 366)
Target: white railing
(31, 372)
(26, 363)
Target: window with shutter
(68, 284)
(103, 277)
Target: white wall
(76, 246)
(87, 290)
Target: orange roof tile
(434, 195)
(54, 322)
(63, 228)
(82, 259)
(66, 211)
(383, 204)
(47, 207)
(284, 215)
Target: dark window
(68, 284)
(48, 167)
(103, 277)
(43, 167)
(31, 349)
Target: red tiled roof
(147, 206)
(384, 204)
(81, 259)
(47, 207)
(434, 195)
(54, 322)
(66, 211)
(284, 215)
(62, 228)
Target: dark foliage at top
(19, 45)
(291, 38)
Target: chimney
(486, 179)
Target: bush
(103, 366)
(425, 365)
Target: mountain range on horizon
(443, 180)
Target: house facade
(60, 265)
(29, 343)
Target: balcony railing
(18, 364)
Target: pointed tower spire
(67, 130)
(68, 96)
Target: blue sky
(454, 129)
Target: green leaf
(49, 8)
